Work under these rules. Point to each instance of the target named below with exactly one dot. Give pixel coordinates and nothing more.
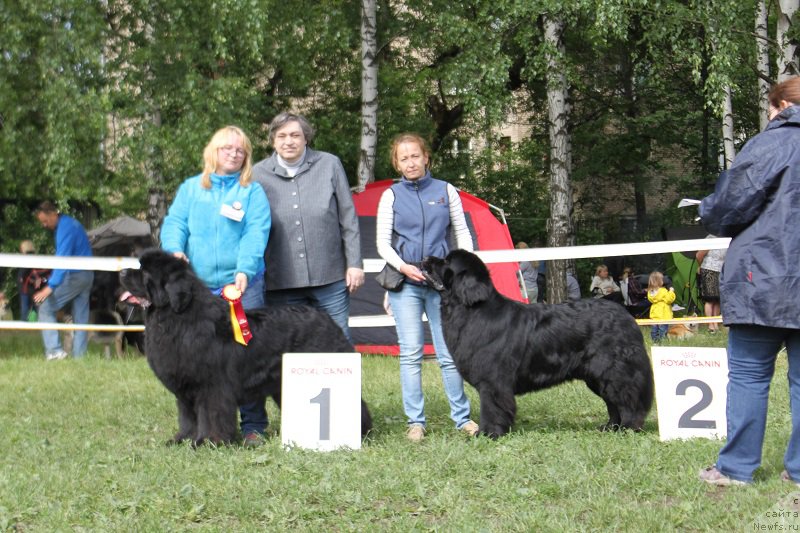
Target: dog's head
(461, 275)
(162, 280)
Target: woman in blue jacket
(757, 203)
(414, 218)
(219, 222)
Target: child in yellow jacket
(661, 304)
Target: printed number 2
(686, 420)
(324, 401)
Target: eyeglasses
(232, 149)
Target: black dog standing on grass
(503, 348)
(191, 348)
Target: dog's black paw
(177, 440)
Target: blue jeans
(25, 306)
(254, 414)
(75, 288)
(658, 332)
(333, 298)
(407, 307)
(752, 351)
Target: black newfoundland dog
(502, 347)
(191, 348)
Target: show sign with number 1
(691, 391)
(321, 401)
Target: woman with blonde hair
(213, 157)
(604, 286)
(219, 222)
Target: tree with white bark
(369, 94)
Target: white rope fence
(115, 264)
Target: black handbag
(390, 278)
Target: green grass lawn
(82, 448)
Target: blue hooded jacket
(757, 203)
(218, 247)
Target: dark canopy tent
(488, 233)
(120, 237)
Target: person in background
(64, 286)
(541, 282)
(634, 296)
(529, 274)
(604, 286)
(29, 280)
(314, 250)
(415, 216)
(219, 222)
(573, 287)
(755, 203)
(661, 300)
(710, 262)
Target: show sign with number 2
(691, 391)
(321, 401)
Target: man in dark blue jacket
(65, 286)
(757, 203)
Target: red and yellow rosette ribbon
(241, 329)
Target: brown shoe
(253, 439)
(470, 429)
(415, 432)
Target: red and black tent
(488, 233)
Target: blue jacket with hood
(757, 203)
(218, 247)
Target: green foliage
(101, 101)
(52, 105)
(83, 446)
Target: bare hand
(354, 279)
(412, 272)
(241, 282)
(40, 296)
(181, 255)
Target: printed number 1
(324, 401)
(686, 420)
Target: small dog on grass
(681, 331)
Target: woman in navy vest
(415, 216)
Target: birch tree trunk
(369, 94)
(727, 128)
(157, 200)
(762, 63)
(559, 231)
(787, 62)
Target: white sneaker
(57, 355)
(415, 432)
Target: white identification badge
(232, 212)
